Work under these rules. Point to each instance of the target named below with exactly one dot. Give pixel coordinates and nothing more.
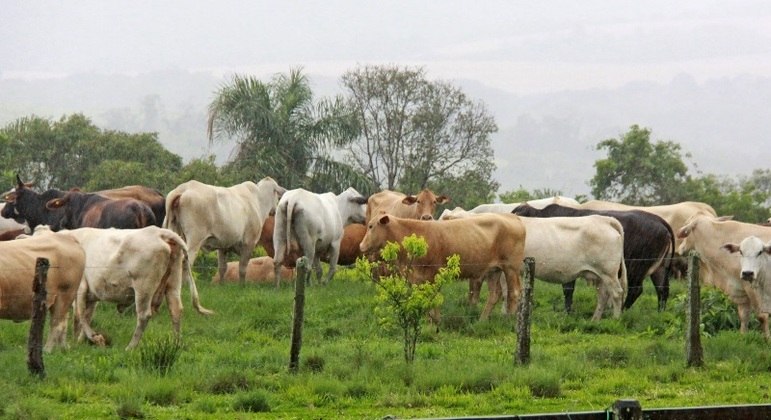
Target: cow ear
(683, 232)
(442, 199)
(384, 219)
(767, 248)
(409, 200)
(54, 204)
(730, 248)
(10, 197)
(358, 200)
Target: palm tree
(280, 132)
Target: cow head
(23, 204)
(374, 239)
(352, 206)
(426, 202)
(63, 204)
(754, 256)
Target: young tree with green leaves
(281, 132)
(400, 303)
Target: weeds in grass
(159, 354)
(229, 383)
(252, 402)
(130, 408)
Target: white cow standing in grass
(131, 266)
(209, 217)
(316, 222)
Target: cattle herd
(135, 246)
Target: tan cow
(349, 246)
(421, 206)
(722, 269)
(131, 266)
(223, 218)
(259, 270)
(486, 244)
(17, 272)
(565, 248)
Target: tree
(740, 198)
(521, 195)
(639, 172)
(280, 132)
(416, 132)
(73, 152)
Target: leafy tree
(401, 303)
(739, 198)
(205, 170)
(639, 172)
(415, 132)
(73, 152)
(279, 131)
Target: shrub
(229, 383)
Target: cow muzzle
(748, 276)
(426, 217)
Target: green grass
(235, 363)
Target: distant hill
(544, 140)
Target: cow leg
(174, 301)
(513, 290)
(494, 293)
(144, 312)
(58, 333)
(222, 264)
(567, 291)
(334, 254)
(243, 262)
(84, 312)
(634, 290)
(660, 280)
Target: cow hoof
(99, 340)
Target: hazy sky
(520, 46)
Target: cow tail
(622, 274)
(172, 212)
(289, 213)
(188, 273)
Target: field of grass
(234, 364)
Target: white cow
(755, 267)
(131, 266)
(565, 248)
(537, 203)
(208, 217)
(706, 235)
(316, 222)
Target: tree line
(392, 128)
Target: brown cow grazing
(259, 270)
(487, 244)
(722, 269)
(97, 211)
(17, 259)
(421, 206)
(349, 246)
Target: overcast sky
(520, 46)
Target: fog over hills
(544, 140)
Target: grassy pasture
(235, 364)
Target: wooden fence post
(693, 349)
(627, 410)
(523, 313)
(35, 340)
(303, 275)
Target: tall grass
(235, 363)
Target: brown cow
(421, 206)
(98, 211)
(259, 270)
(17, 272)
(486, 244)
(349, 246)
